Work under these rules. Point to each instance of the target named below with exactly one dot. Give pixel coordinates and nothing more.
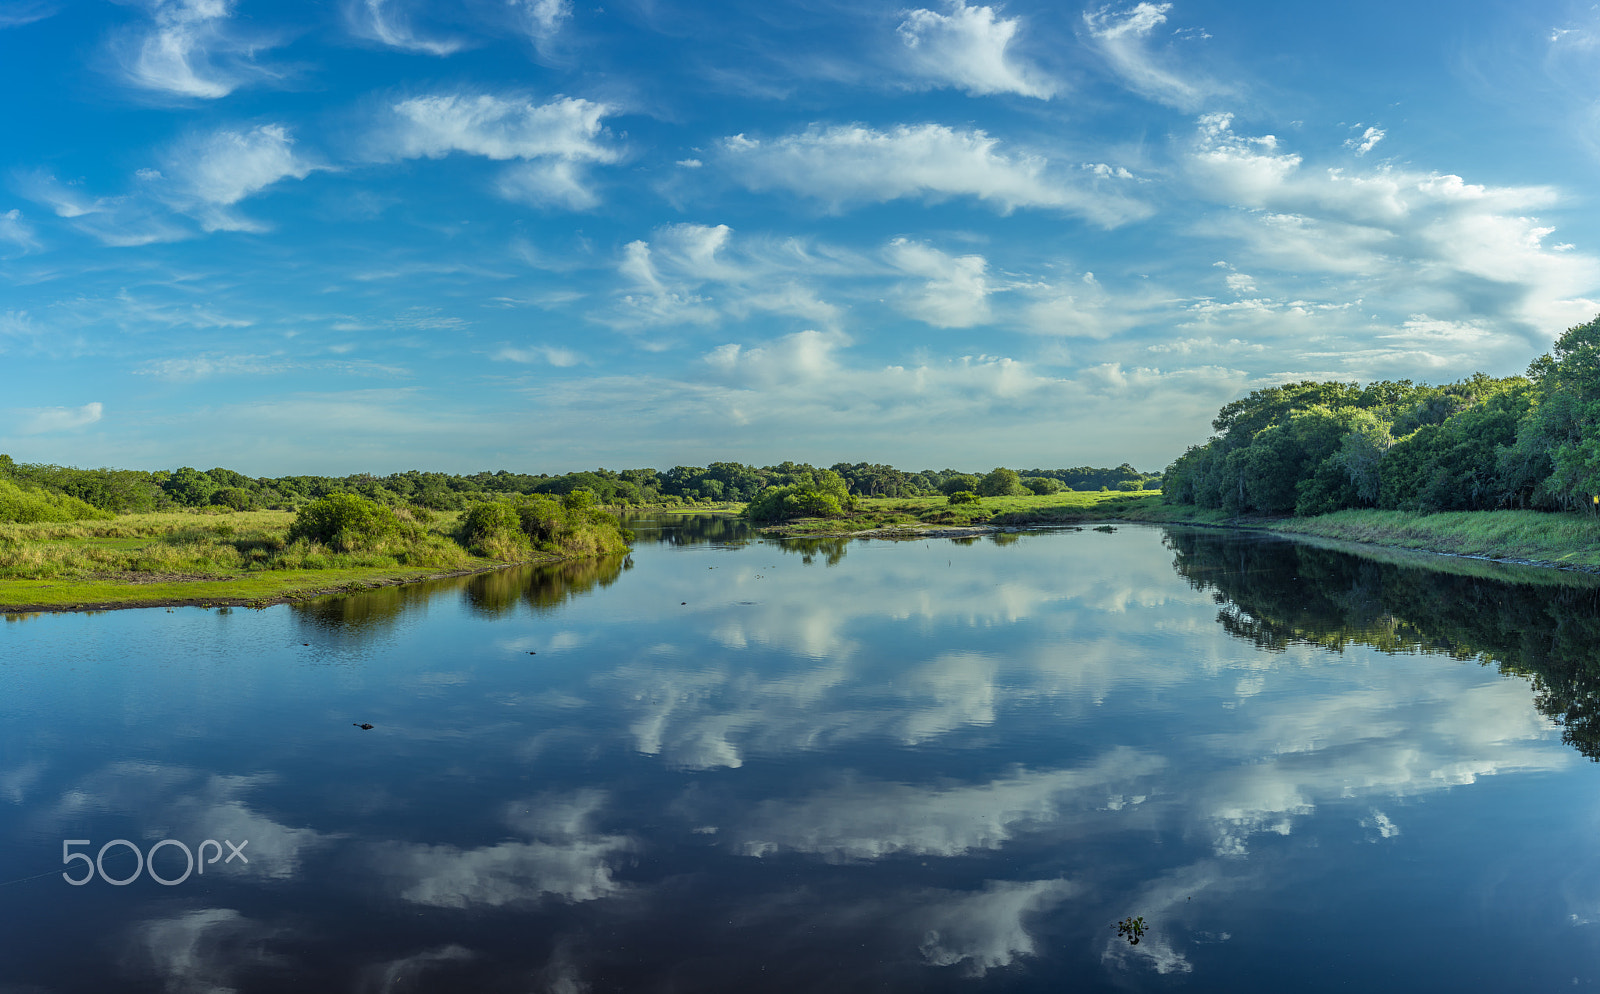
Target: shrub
(345, 523)
(494, 529)
(965, 497)
(1042, 485)
(1131, 486)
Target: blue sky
(543, 235)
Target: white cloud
(388, 23)
(544, 17)
(1364, 143)
(44, 420)
(967, 49)
(17, 231)
(553, 355)
(1123, 38)
(694, 274)
(871, 820)
(213, 172)
(191, 50)
(844, 165)
(204, 950)
(956, 294)
(555, 141)
(983, 930)
(15, 13)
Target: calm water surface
(731, 764)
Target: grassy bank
(257, 557)
(895, 513)
(1544, 538)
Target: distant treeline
(37, 491)
(1481, 443)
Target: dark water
(728, 764)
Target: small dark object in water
(361, 726)
(683, 602)
(305, 643)
(1105, 528)
(532, 653)
(1133, 928)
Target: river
(727, 763)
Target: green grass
(257, 589)
(875, 513)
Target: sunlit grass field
(234, 557)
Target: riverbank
(213, 559)
(1528, 538)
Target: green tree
(1001, 482)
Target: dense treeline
(37, 491)
(1481, 443)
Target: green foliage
(1044, 485)
(822, 495)
(1001, 482)
(965, 497)
(236, 498)
(1308, 448)
(958, 482)
(345, 523)
(25, 504)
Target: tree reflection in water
(542, 588)
(1543, 625)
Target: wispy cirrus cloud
(845, 165)
(969, 49)
(390, 23)
(48, 420)
(16, 231)
(191, 48)
(15, 13)
(1123, 36)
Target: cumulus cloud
(1122, 36)
(46, 420)
(554, 142)
(696, 274)
(956, 294)
(1364, 142)
(871, 820)
(389, 22)
(846, 165)
(984, 930)
(967, 49)
(1420, 241)
(191, 49)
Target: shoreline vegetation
(339, 543)
(1567, 541)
